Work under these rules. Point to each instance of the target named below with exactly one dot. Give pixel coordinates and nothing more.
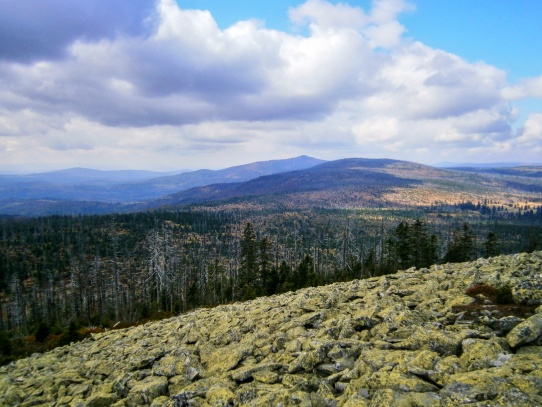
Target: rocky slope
(410, 339)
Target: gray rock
(101, 400)
(526, 332)
(145, 391)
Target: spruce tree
(403, 249)
(267, 285)
(412, 246)
(491, 245)
(249, 281)
(461, 248)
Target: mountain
(531, 171)
(438, 336)
(359, 182)
(96, 177)
(346, 183)
(158, 186)
(45, 207)
(450, 164)
(330, 176)
(81, 184)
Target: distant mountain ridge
(360, 182)
(239, 173)
(327, 176)
(86, 175)
(57, 188)
(345, 183)
(483, 165)
(532, 171)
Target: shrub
(42, 332)
(5, 344)
(71, 336)
(504, 295)
(499, 295)
(483, 289)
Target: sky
(167, 85)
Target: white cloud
(527, 88)
(376, 130)
(419, 82)
(183, 87)
(31, 31)
(322, 15)
(530, 134)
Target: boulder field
(428, 337)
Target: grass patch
(499, 295)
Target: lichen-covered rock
(145, 391)
(436, 338)
(478, 354)
(526, 332)
(409, 339)
(101, 400)
(221, 396)
(265, 376)
(501, 325)
(389, 397)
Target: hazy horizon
(444, 164)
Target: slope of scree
(413, 338)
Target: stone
(220, 396)
(502, 325)
(193, 390)
(396, 381)
(224, 359)
(537, 350)
(265, 376)
(79, 389)
(145, 391)
(484, 386)
(246, 372)
(389, 397)
(306, 361)
(434, 338)
(526, 332)
(159, 401)
(100, 400)
(481, 354)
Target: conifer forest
(58, 272)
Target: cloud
(419, 82)
(323, 15)
(530, 135)
(380, 27)
(32, 30)
(527, 88)
(189, 71)
(150, 82)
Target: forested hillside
(102, 270)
